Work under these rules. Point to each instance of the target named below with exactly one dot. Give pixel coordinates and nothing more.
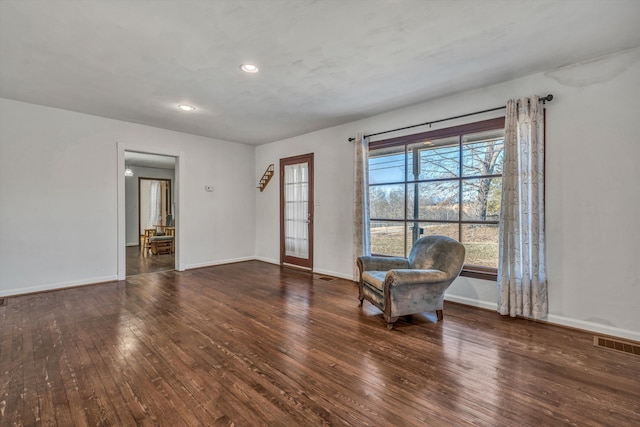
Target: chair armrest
(381, 263)
(408, 277)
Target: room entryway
(150, 211)
(296, 211)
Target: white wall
(592, 189)
(58, 196)
(131, 198)
(333, 195)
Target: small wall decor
(266, 177)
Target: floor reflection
(138, 262)
(253, 344)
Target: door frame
(179, 190)
(298, 262)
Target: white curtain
(296, 214)
(155, 205)
(522, 282)
(361, 237)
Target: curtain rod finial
(547, 98)
(351, 139)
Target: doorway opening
(296, 211)
(150, 213)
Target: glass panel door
(296, 210)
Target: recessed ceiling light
(185, 107)
(249, 68)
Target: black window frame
(480, 272)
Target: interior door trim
(299, 262)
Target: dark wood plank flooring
(251, 344)
(138, 263)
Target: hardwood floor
(250, 344)
(139, 263)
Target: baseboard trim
(472, 302)
(314, 270)
(593, 327)
(133, 244)
(556, 320)
(267, 260)
(220, 262)
(333, 274)
(57, 286)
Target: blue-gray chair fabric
(401, 286)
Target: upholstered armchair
(403, 286)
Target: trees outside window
(445, 182)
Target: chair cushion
(375, 279)
(160, 238)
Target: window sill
(480, 273)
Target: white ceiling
(322, 62)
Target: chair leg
(390, 321)
(361, 301)
(440, 315)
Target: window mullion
(471, 141)
(406, 198)
(460, 188)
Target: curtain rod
(544, 100)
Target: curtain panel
(155, 205)
(296, 215)
(522, 283)
(361, 243)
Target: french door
(296, 211)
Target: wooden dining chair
(146, 245)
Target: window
(445, 182)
